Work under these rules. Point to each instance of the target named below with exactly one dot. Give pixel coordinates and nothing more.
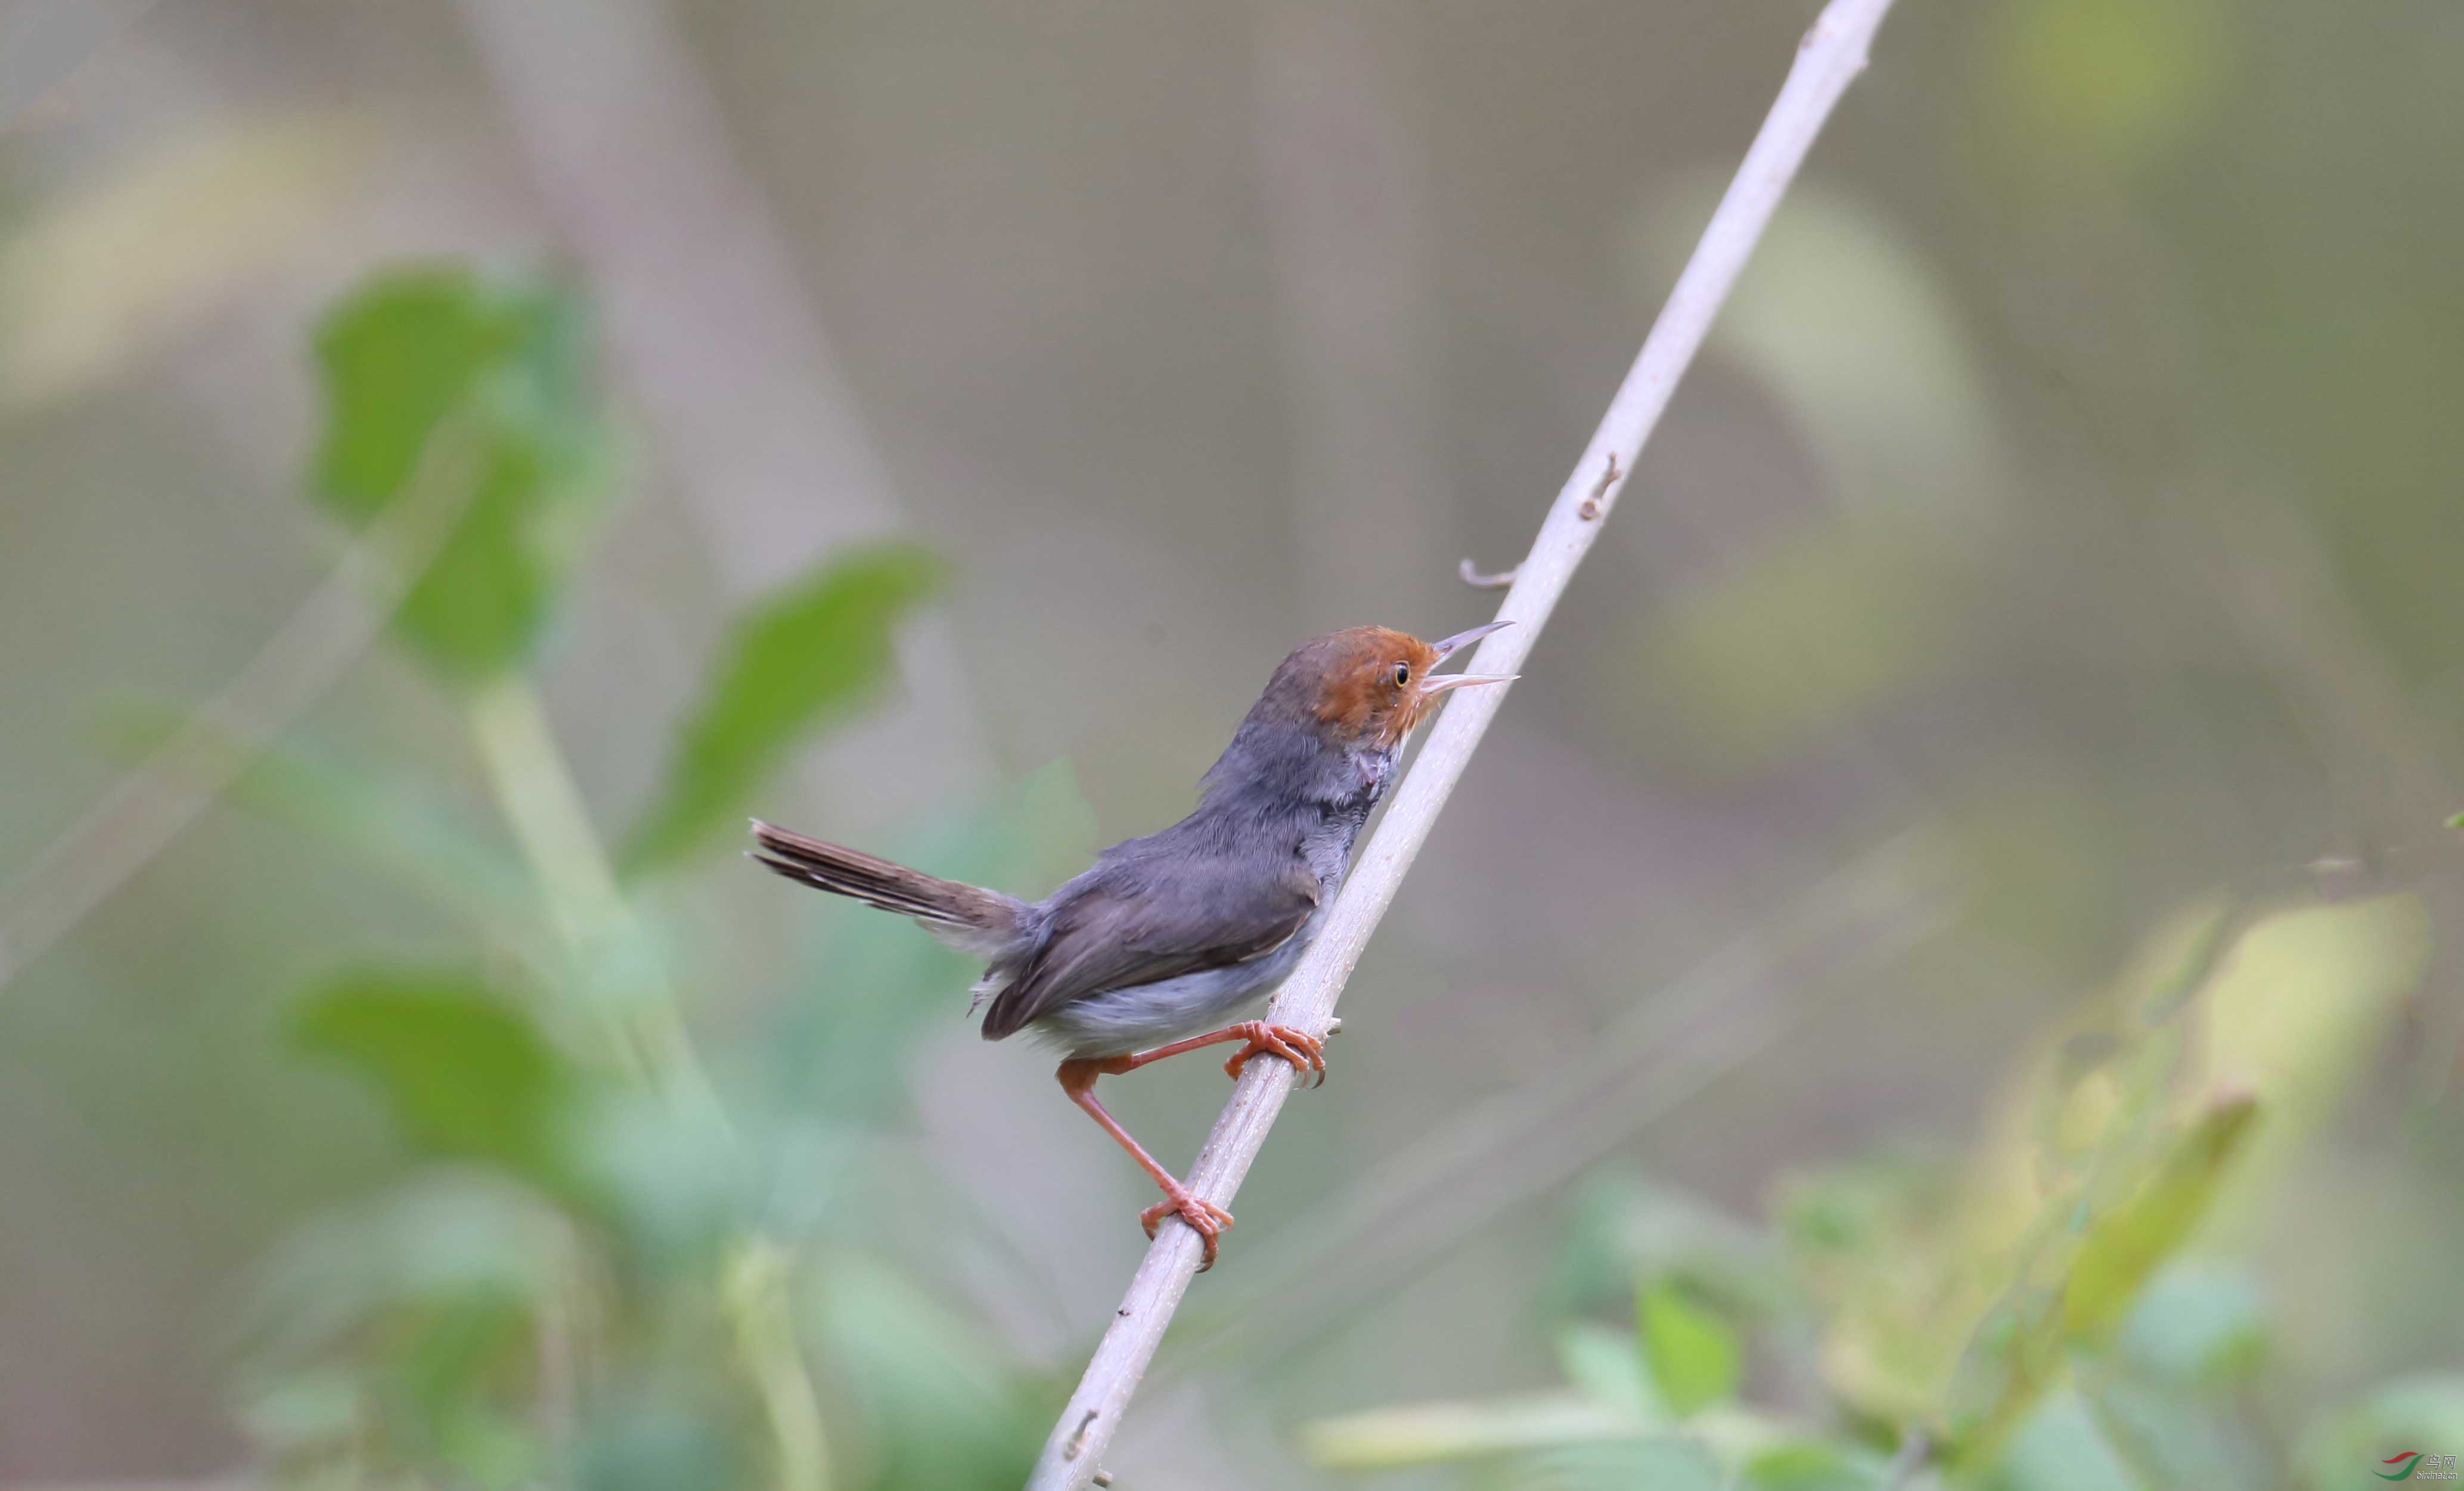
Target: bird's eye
(1402, 674)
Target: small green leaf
(1813, 1465)
(2456, 821)
(2125, 1246)
(1694, 1355)
(422, 356)
(798, 662)
(465, 1072)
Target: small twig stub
(1592, 507)
(1472, 577)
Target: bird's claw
(1204, 1219)
(1304, 1051)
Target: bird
(1164, 940)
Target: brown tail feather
(967, 915)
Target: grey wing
(1124, 930)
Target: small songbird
(1178, 931)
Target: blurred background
(1945, 968)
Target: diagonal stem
(154, 803)
(1832, 55)
(610, 953)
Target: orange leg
(1077, 1078)
(1304, 1051)
(1204, 1218)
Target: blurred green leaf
(2105, 86)
(2196, 1328)
(2014, 1356)
(1847, 324)
(490, 1447)
(674, 1183)
(446, 1234)
(1873, 1240)
(440, 1390)
(302, 1411)
(1429, 1434)
(1663, 1465)
(390, 822)
(941, 1408)
(1814, 1465)
(645, 1439)
(420, 359)
(2295, 1012)
(796, 662)
(1607, 1366)
(2060, 1447)
(1955, 1309)
(2424, 1413)
(1694, 1355)
(2125, 1245)
(1623, 1227)
(404, 1332)
(464, 1070)
(1767, 658)
(2170, 1437)
(2106, 1211)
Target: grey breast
(1285, 792)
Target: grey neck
(1289, 774)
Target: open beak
(1446, 648)
(1446, 683)
(1436, 684)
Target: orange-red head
(1370, 685)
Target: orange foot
(1204, 1218)
(1304, 1051)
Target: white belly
(1120, 1021)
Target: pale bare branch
(1833, 54)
